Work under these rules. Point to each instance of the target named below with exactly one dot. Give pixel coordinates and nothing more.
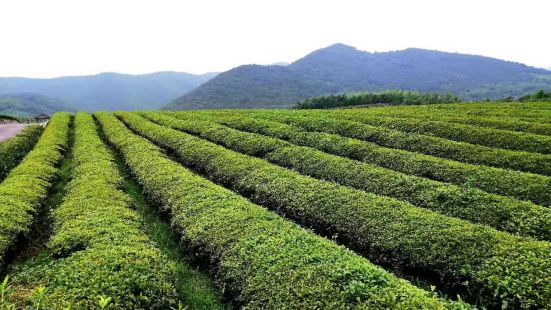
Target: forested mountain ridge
(251, 86)
(109, 91)
(340, 68)
(28, 105)
(335, 69)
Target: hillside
(29, 104)
(109, 91)
(250, 86)
(342, 68)
(281, 209)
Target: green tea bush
(263, 260)
(494, 138)
(507, 123)
(515, 184)
(97, 246)
(467, 203)
(535, 112)
(385, 229)
(25, 187)
(458, 151)
(14, 149)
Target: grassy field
(404, 207)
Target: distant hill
(251, 86)
(340, 68)
(28, 105)
(109, 91)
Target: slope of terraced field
(424, 207)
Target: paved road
(9, 130)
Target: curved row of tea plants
(14, 149)
(530, 112)
(458, 151)
(488, 121)
(499, 267)
(493, 105)
(25, 187)
(499, 107)
(471, 204)
(520, 185)
(98, 248)
(264, 261)
(495, 138)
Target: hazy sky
(72, 37)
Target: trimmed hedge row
(502, 108)
(503, 213)
(457, 132)
(524, 112)
(498, 267)
(458, 151)
(515, 184)
(499, 107)
(539, 187)
(14, 149)
(98, 241)
(207, 128)
(489, 121)
(23, 190)
(264, 260)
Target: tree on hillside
(391, 97)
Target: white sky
(72, 37)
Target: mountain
(28, 105)
(251, 86)
(341, 68)
(109, 91)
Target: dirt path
(9, 130)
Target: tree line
(402, 97)
(390, 97)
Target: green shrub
(14, 149)
(264, 261)
(507, 123)
(8, 117)
(457, 132)
(459, 151)
(515, 184)
(384, 229)
(23, 190)
(537, 113)
(539, 96)
(97, 247)
(471, 204)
